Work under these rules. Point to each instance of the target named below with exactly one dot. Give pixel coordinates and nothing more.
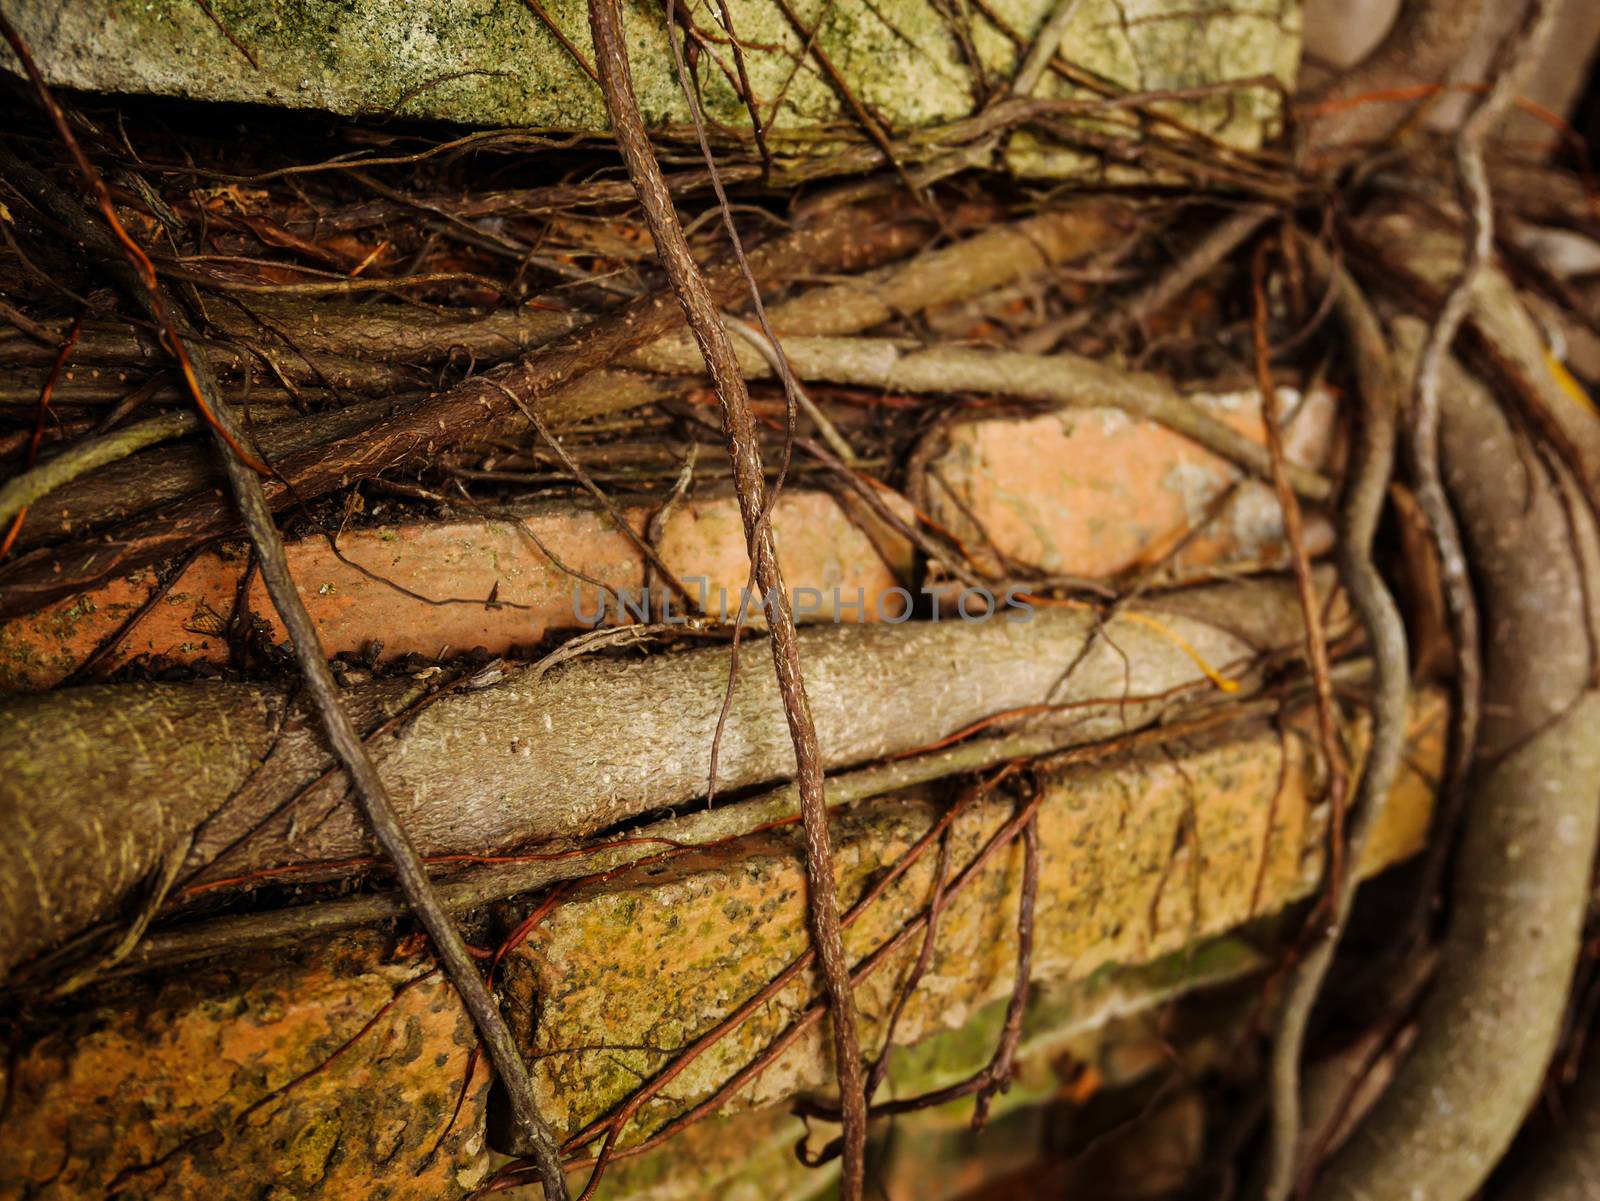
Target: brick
(318, 1070)
(285, 1076)
(424, 587)
(1098, 1029)
(1122, 881)
(1093, 492)
(1103, 493)
(896, 56)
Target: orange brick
(424, 587)
(1093, 492)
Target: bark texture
(99, 787)
(1423, 47)
(1061, 378)
(564, 752)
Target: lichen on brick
(1142, 857)
(493, 62)
(306, 1073)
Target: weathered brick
(1141, 855)
(281, 1076)
(317, 1071)
(425, 586)
(1098, 1032)
(1103, 493)
(1093, 492)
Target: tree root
(412, 430)
(143, 483)
(703, 829)
(1510, 70)
(542, 754)
(1427, 40)
(1491, 1021)
(744, 452)
(1373, 464)
(1060, 378)
(22, 491)
(1564, 1164)
(244, 471)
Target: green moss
(1058, 1012)
(23, 667)
(493, 62)
(306, 1157)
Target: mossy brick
(335, 1069)
(494, 62)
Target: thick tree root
(1522, 883)
(1371, 467)
(551, 753)
(1423, 47)
(325, 698)
(1061, 378)
(986, 260)
(1564, 1165)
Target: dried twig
(1511, 67)
(140, 281)
(560, 35)
(373, 797)
(879, 136)
(1043, 48)
(611, 1127)
(1373, 463)
(1199, 261)
(930, 936)
(747, 92)
(772, 351)
(29, 327)
(125, 247)
(745, 453)
(995, 1076)
(623, 525)
(1310, 603)
(867, 490)
(988, 259)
